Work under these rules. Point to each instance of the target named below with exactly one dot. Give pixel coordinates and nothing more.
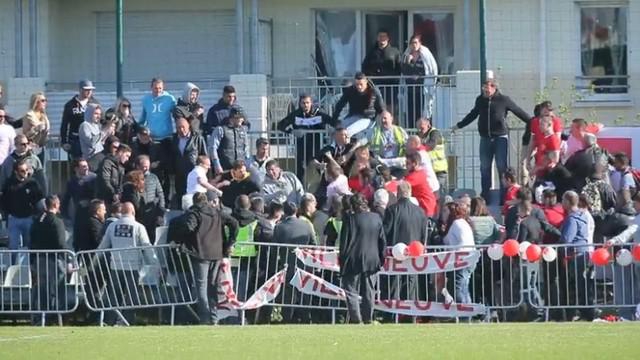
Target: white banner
(429, 263)
(310, 284)
(228, 303)
(428, 308)
(319, 259)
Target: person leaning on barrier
(365, 103)
(48, 233)
(20, 195)
(307, 117)
(127, 233)
(202, 231)
(362, 254)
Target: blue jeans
(19, 232)
(206, 272)
(490, 148)
(462, 278)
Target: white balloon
(399, 251)
(523, 249)
(624, 257)
(495, 252)
(549, 254)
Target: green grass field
(445, 341)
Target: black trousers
(363, 285)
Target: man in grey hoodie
(189, 107)
(576, 271)
(91, 133)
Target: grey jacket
(90, 133)
(287, 188)
(126, 233)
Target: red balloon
(636, 252)
(415, 248)
(511, 247)
(600, 257)
(534, 253)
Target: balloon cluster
(402, 251)
(533, 253)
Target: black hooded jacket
(493, 115)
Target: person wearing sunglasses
(73, 117)
(7, 134)
(20, 195)
(22, 152)
(122, 116)
(36, 124)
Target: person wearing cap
(305, 123)
(73, 117)
(492, 107)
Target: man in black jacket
(48, 233)
(384, 60)
(365, 103)
(89, 227)
(80, 190)
(362, 247)
(186, 146)
(209, 244)
(20, 194)
(235, 183)
(111, 174)
(305, 123)
(492, 107)
(220, 113)
(73, 116)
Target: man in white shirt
(197, 180)
(7, 134)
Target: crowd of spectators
(129, 172)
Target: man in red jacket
(554, 213)
(420, 188)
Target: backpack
(636, 177)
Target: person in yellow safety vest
(387, 140)
(434, 142)
(331, 236)
(247, 222)
(309, 213)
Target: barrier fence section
(271, 282)
(38, 282)
(119, 281)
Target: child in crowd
(511, 184)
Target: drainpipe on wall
(466, 34)
(254, 37)
(239, 37)
(119, 46)
(543, 44)
(18, 40)
(33, 38)
(483, 44)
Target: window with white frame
(603, 52)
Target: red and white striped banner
(319, 259)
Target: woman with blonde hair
(36, 124)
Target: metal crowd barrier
(119, 281)
(572, 283)
(38, 282)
